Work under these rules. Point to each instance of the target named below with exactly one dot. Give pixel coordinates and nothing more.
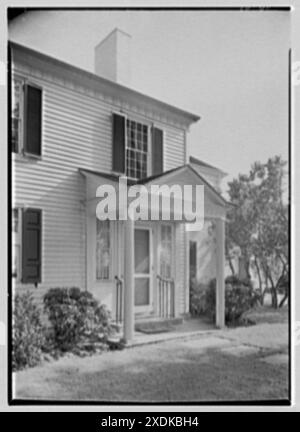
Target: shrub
(75, 315)
(236, 281)
(28, 336)
(197, 297)
(239, 297)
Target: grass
(206, 368)
(266, 314)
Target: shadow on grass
(187, 376)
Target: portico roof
(214, 204)
(170, 174)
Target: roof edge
(192, 118)
(203, 164)
(115, 177)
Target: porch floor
(188, 328)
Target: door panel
(141, 245)
(142, 277)
(142, 294)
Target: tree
(258, 223)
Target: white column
(220, 262)
(187, 270)
(129, 280)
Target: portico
(150, 258)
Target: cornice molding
(46, 68)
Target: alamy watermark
(182, 203)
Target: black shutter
(33, 120)
(31, 246)
(157, 151)
(118, 150)
(193, 259)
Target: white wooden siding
(77, 133)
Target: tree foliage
(258, 223)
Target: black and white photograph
(149, 171)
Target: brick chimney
(113, 57)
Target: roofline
(107, 175)
(116, 29)
(199, 162)
(115, 177)
(209, 185)
(192, 118)
(215, 192)
(155, 176)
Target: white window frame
(144, 122)
(21, 151)
(17, 242)
(110, 267)
(20, 144)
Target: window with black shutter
(193, 259)
(33, 120)
(118, 150)
(157, 151)
(26, 118)
(31, 246)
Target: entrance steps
(152, 325)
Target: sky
(230, 68)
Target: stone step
(157, 325)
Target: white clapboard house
(71, 131)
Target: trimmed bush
(239, 297)
(28, 332)
(75, 315)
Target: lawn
(248, 363)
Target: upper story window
(16, 116)
(26, 118)
(137, 148)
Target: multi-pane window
(16, 242)
(16, 115)
(166, 251)
(136, 149)
(26, 118)
(102, 249)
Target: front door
(143, 266)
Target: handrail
(166, 297)
(119, 299)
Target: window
(166, 251)
(26, 133)
(16, 116)
(27, 245)
(193, 259)
(16, 244)
(102, 249)
(136, 149)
